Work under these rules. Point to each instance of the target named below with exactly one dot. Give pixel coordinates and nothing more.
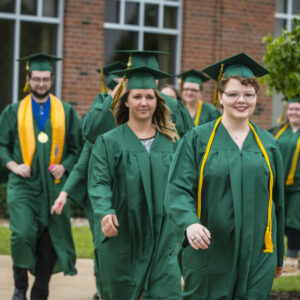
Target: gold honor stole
(290, 178)
(268, 233)
(26, 130)
(198, 113)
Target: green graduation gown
(30, 199)
(126, 180)
(100, 119)
(208, 114)
(235, 198)
(287, 144)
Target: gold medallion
(43, 137)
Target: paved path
(79, 287)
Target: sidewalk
(78, 287)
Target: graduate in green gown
(96, 121)
(40, 141)
(225, 193)
(75, 187)
(288, 136)
(127, 178)
(192, 89)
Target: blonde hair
(161, 117)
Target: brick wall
(213, 30)
(83, 51)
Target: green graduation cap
(39, 62)
(106, 70)
(294, 99)
(142, 77)
(238, 65)
(193, 76)
(143, 58)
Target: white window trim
(141, 29)
(17, 17)
(288, 16)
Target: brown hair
(173, 88)
(243, 80)
(161, 117)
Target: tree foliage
(282, 59)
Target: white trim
(18, 17)
(141, 28)
(40, 5)
(178, 42)
(59, 49)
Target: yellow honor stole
(26, 130)
(268, 233)
(290, 178)
(198, 113)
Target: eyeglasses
(235, 96)
(191, 90)
(39, 80)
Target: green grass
(4, 240)
(84, 249)
(82, 239)
(286, 284)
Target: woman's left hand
(278, 272)
(59, 203)
(198, 236)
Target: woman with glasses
(288, 136)
(225, 193)
(192, 91)
(127, 179)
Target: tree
(282, 59)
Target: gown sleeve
(100, 179)
(74, 141)
(181, 192)
(98, 120)
(278, 198)
(76, 183)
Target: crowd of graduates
(185, 199)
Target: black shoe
(96, 296)
(19, 295)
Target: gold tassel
(181, 83)
(290, 177)
(102, 86)
(268, 242)
(26, 88)
(216, 97)
(283, 111)
(119, 91)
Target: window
(144, 25)
(26, 27)
(285, 12)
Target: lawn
(82, 239)
(84, 249)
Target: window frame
(288, 16)
(18, 17)
(141, 28)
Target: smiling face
(191, 92)
(141, 104)
(40, 83)
(293, 113)
(237, 99)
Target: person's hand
(57, 171)
(59, 203)
(198, 236)
(21, 170)
(278, 272)
(114, 91)
(109, 225)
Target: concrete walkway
(79, 287)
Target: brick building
(85, 33)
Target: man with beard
(40, 141)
